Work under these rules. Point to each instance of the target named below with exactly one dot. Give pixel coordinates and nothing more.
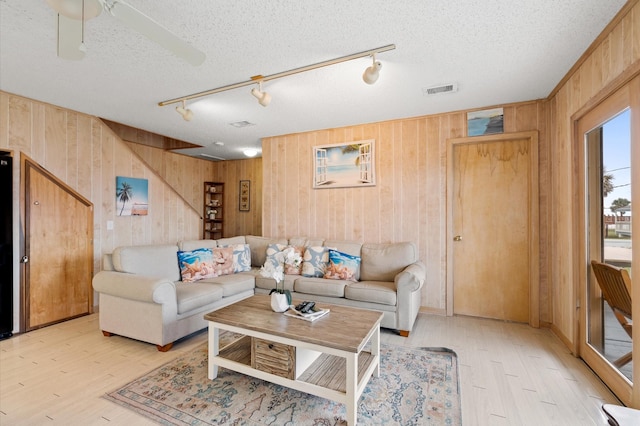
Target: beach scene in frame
(485, 122)
(132, 196)
(344, 165)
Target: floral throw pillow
(223, 260)
(342, 266)
(272, 251)
(241, 257)
(196, 265)
(293, 263)
(315, 261)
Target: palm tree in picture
(124, 194)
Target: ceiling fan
(72, 15)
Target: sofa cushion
(306, 242)
(320, 286)
(196, 264)
(350, 247)
(152, 260)
(192, 296)
(259, 248)
(315, 261)
(269, 283)
(372, 291)
(232, 284)
(196, 244)
(294, 267)
(342, 266)
(231, 241)
(241, 257)
(272, 252)
(382, 262)
(223, 260)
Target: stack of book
(312, 315)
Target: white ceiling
(497, 51)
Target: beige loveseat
(141, 294)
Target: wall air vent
(443, 88)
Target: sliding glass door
(605, 135)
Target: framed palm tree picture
(132, 196)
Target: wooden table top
(344, 327)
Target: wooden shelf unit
(213, 212)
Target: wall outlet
(109, 225)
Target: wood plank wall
(408, 202)
(612, 56)
(186, 175)
(86, 155)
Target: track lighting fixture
(371, 74)
(187, 114)
(263, 97)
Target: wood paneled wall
(187, 174)
(613, 57)
(86, 155)
(408, 202)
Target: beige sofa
(142, 297)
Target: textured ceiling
(497, 51)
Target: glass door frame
(628, 96)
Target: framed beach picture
(349, 164)
(485, 122)
(132, 196)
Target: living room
(88, 155)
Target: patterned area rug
(416, 386)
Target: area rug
(416, 386)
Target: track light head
(372, 73)
(263, 97)
(187, 114)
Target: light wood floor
(510, 374)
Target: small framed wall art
(132, 196)
(245, 195)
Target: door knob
(457, 238)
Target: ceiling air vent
(444, 88)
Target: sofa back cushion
(151, 260)
(191, 245)
(353, 248)
(231, 241)
(382, 262)
(259, 248)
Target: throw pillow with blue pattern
(196, 265)
(272, 251)
(315, 261)
(241, 257)
(343, 266)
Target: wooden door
(493, 203)
(58, 250)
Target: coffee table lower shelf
(317, 370)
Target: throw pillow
(223, 260)
(196, 265)
(272, 251)
(342, 266)
(241, 257)
(293, 269)
(315, 261)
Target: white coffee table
(299, 354)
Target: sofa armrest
(135, 287)
(411, 278)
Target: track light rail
(256, 79)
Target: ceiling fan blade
(69, 38)
(155, 32)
